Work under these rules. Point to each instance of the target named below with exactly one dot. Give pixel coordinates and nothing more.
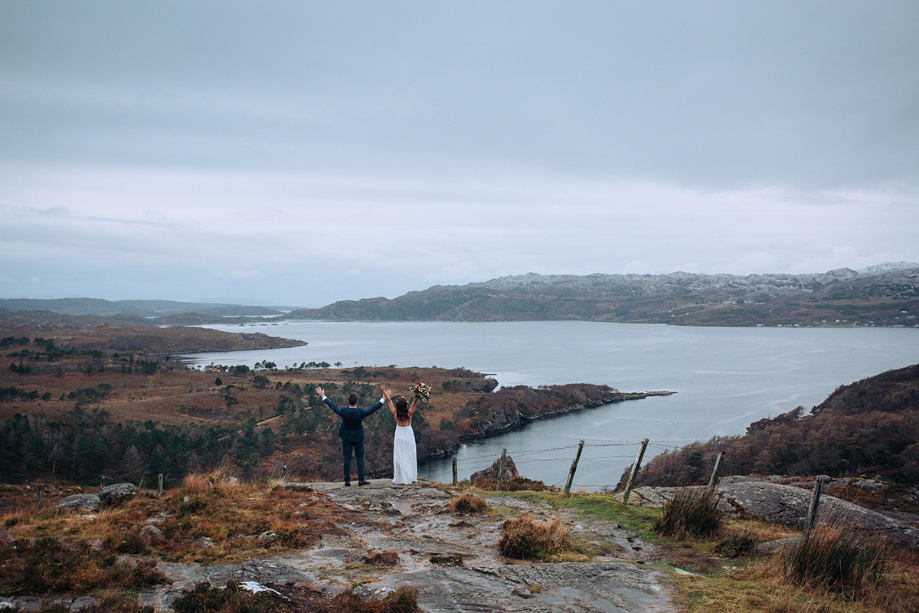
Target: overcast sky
(299, 153)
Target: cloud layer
(300, 153)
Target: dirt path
(406, 535)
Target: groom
(351, 432)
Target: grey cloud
(375, 148)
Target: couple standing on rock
(405, 462)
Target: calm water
(725, 378)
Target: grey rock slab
(81, 502)
(787, 504)
(526, 588)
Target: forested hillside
(870, 427)
(84, 414)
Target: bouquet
(421, 391)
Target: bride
(404, 460)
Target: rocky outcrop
(406, 536)
(110, 495)
(491, 473)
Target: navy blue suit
(352, 435)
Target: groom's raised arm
(375, 407)
(329, 403)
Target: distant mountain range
(140, 308)
(881, 295)
(885, 295)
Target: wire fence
(566, 455)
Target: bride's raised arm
(388, 396)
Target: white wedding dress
(404, 460)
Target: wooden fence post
(811, 518)
(40, 490)
(634, 473)
(161, 484)
(454, 471)
(574, 467)
(714, 478)
(501, 468)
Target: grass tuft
(468, 503)
(690, 515)
(524, 539)
(737, 544)
(837, 560)
(382, 558)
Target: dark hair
(352, 399)
(401, 409)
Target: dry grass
(468, 503)
(524, 539)
(836, 559)
(762, 584)
(382, 558)
(210, 518)
(750, 581)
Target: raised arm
(388, 397)
(412, 407)
(328, 402)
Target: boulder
(151, 534)
(112, 495)
(266, 538)
(491, 473)
(81, 502)
(777, 546)
(6, 538)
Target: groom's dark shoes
(363, 482)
